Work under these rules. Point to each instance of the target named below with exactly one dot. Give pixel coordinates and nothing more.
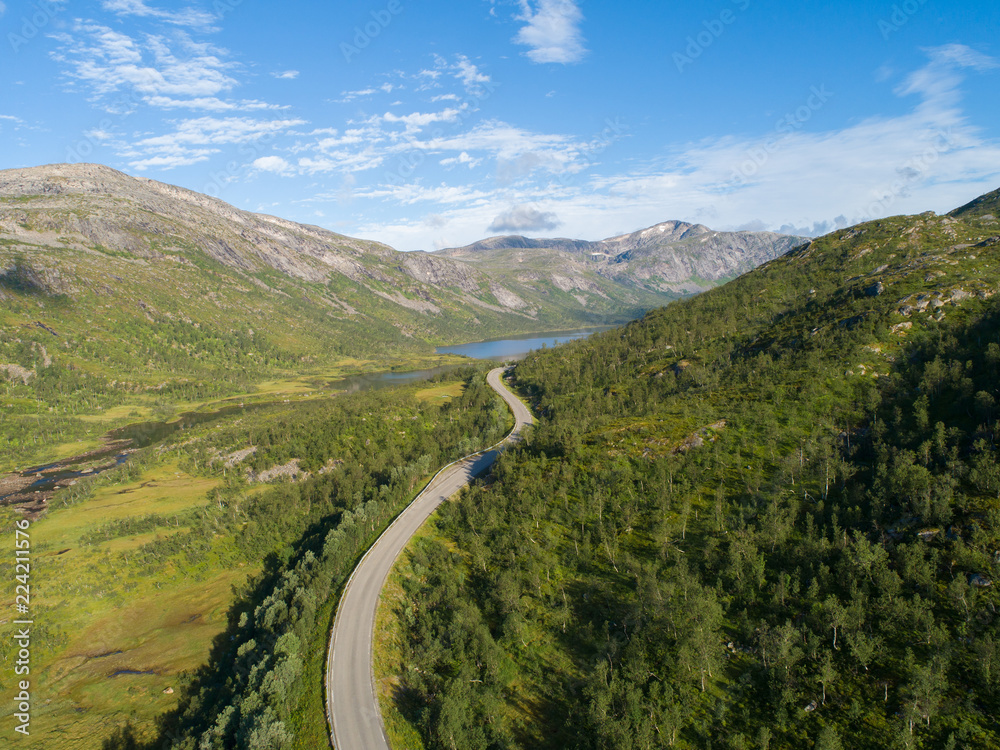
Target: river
(34, 486)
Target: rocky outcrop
(672, 257)
(93, 208)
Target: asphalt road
(352, 705)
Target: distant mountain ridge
(670, 257)
(67, 209)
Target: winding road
(351, 702)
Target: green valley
(190, 562)
(124, 298)
(763, 516)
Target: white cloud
(348, 96)
(189, 17)
(174, 160)
(205, 130)
(17, 122)
(198, 139)
(518, 152)
(3, 8)
(339, 140)
(524, 219)
(938, 81)
(416, 121)
(341, 161)
(161, 72)
(470, 75)
(109, 61)
(412, 193)
(272, 164)
(462, 158)
(212, 104)
(552, 31)
(289, 75)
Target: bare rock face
(431, 269)
(99, 206)
(670, 257)
(73, 218)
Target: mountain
(63, 214)
(764, 516)
(126, 263)
(672, 257)
(119, 292)
(985, 207)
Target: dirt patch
(29, 491)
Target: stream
(31, 489)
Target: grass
(164, 634)
(437, 393)
(165, 490)
(97, 616)
(132, 412)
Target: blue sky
(431, 124)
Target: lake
(517, 347)
(46, 479)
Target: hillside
(672, 257)
(985, 207)
(68, 218)
(121, 297)
(766, 516)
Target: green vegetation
(767, 516)
(87, 338)
(171, 338)
(175, 593)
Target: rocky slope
(143, 283)
(77, 222)
(672, 257)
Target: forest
(765, 517)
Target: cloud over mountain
(524, 219)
